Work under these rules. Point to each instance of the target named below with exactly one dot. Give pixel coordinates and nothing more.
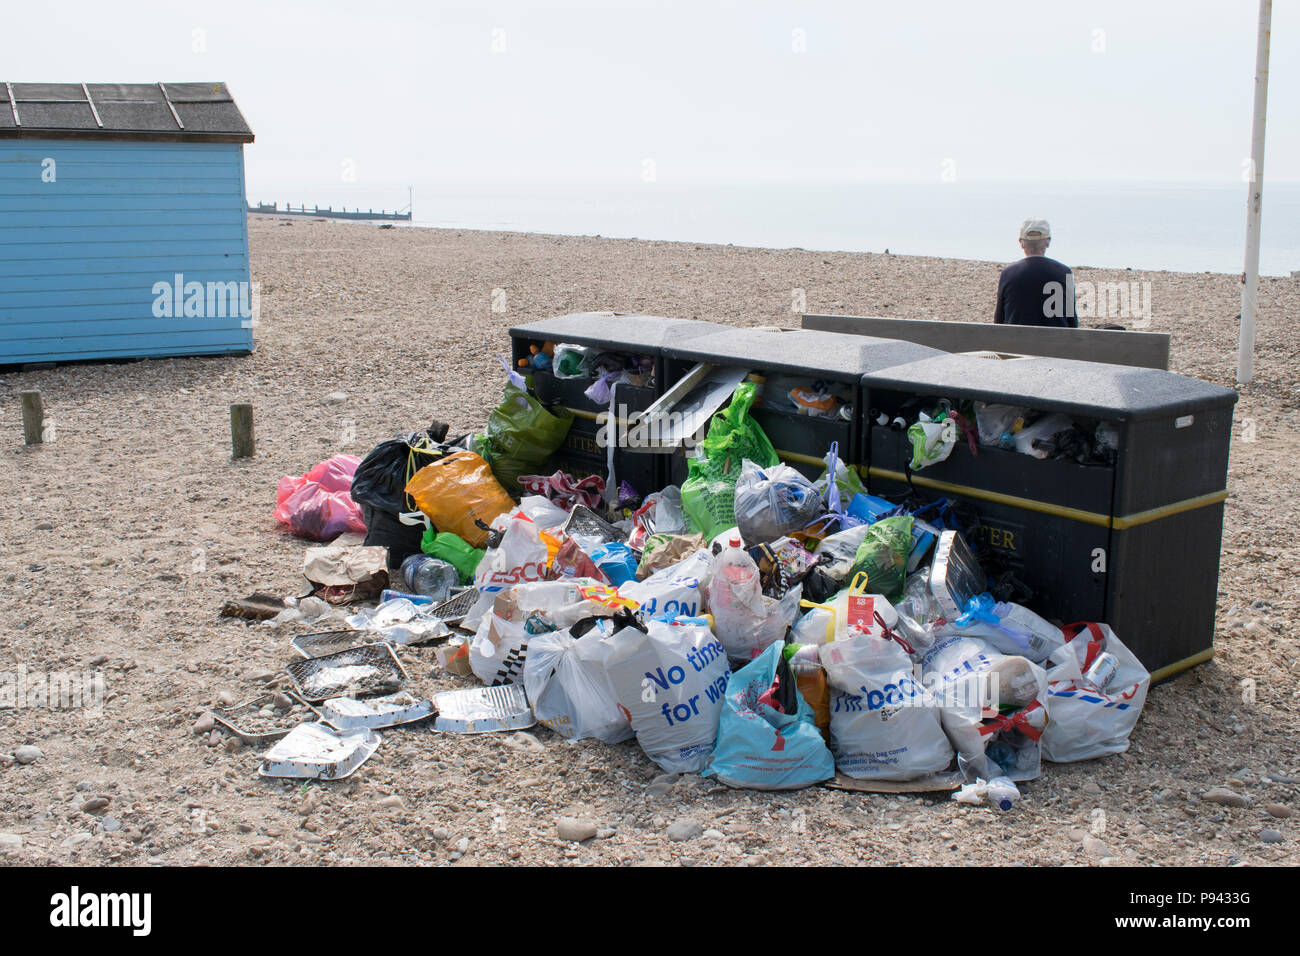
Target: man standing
(1036, 290)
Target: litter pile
(754, 624)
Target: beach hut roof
(170, 112)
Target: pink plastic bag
(319, 505)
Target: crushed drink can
(1102, 670)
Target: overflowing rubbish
(767, 624)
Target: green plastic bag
(882, 556)
(521, 435)
(453, 549)
(709, 492)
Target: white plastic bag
(993, 421)
(500, 644)
(660, 513)
(879, 605)
(568, 689)
(837, 552)
(670, 679)
(882, 725)
(953, 656)
(1041, 430)
(674, 591)
(542, 511)
(521, 556)
(989, 742)
(498, 650)
(1084, 720)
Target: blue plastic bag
(759, 747)
(616, 561)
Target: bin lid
(1091, 389)
(616, 331)
(799, 351)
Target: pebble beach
(125, 534)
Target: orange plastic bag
(457, 489)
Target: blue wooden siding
(79, 257)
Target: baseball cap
(1035, 229)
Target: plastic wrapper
(457, 491)
(767, 735)
(882, 556)
(709, 493)
(319, 505)
(521, 435)
(771, 502)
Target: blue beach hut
(123, 225)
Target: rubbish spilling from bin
(768, 626)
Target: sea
(1183, 227)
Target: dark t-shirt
(1036, 291)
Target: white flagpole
(1254, 201)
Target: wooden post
(33, 417)
(241, 430)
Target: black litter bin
(583, 453)
(813, 359)
(1135, 545)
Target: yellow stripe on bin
(797, 456)
(1164, 511)
(593, 416)
(1119, 522)
(1027, 504)
(1177, 667)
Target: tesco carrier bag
(1095, 695)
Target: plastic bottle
(429, 576)
(387, 594)
(1002, 793)
(735, 565)
(736, 600)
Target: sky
(388, 93)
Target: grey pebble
(1271, 836)
(28, 754)
(687, 829)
